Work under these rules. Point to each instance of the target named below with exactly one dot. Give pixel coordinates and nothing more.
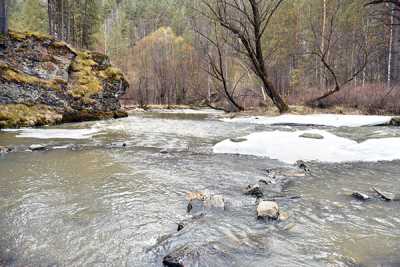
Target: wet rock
(5, 150)
(283, 216)
(360, 196)
(164, 151)
(302, 165)
(199, 201)
(195, 195)
(37, 147)
(311, 136)
(254, 190)
(238, 140)
(395, 121)
(180, 226)
(268, 210)
(177, 257)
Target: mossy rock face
(38, 70)
(20, 115)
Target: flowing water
(90, 201)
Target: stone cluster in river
(199, 203)
(45, 81)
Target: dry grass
(368, 99)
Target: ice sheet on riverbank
(334, 120)
(188, 111)
(289, 147)
(54, 133)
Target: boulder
(44, 81)
(395, 121)
(268, 210)
(312, 136)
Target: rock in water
(302, 165)
(395, 121)
(46, 81)
(311, 136)
(199, 201)
(37, 147)
(4, 150)
(360, 196)
(177, 257)
(254, 190)
(268, 210)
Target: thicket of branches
(235, 54)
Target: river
(104, 195)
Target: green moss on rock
(13, 75)
(19, 115)
(37, 68)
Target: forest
(235, 55)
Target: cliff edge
(44, 81)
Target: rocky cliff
(45, 81)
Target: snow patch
(54, 133)
(188, 111)
(289, 147)
(334, 120)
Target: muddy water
(93, 202)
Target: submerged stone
(238, 140)
(177, 257)
(37, 147)
(312, 136)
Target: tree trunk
(3, 17)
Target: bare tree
(248, 21)
(3, 17)
(326, 56)
(217, 59)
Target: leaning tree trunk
(3, 17)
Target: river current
(111, 193)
